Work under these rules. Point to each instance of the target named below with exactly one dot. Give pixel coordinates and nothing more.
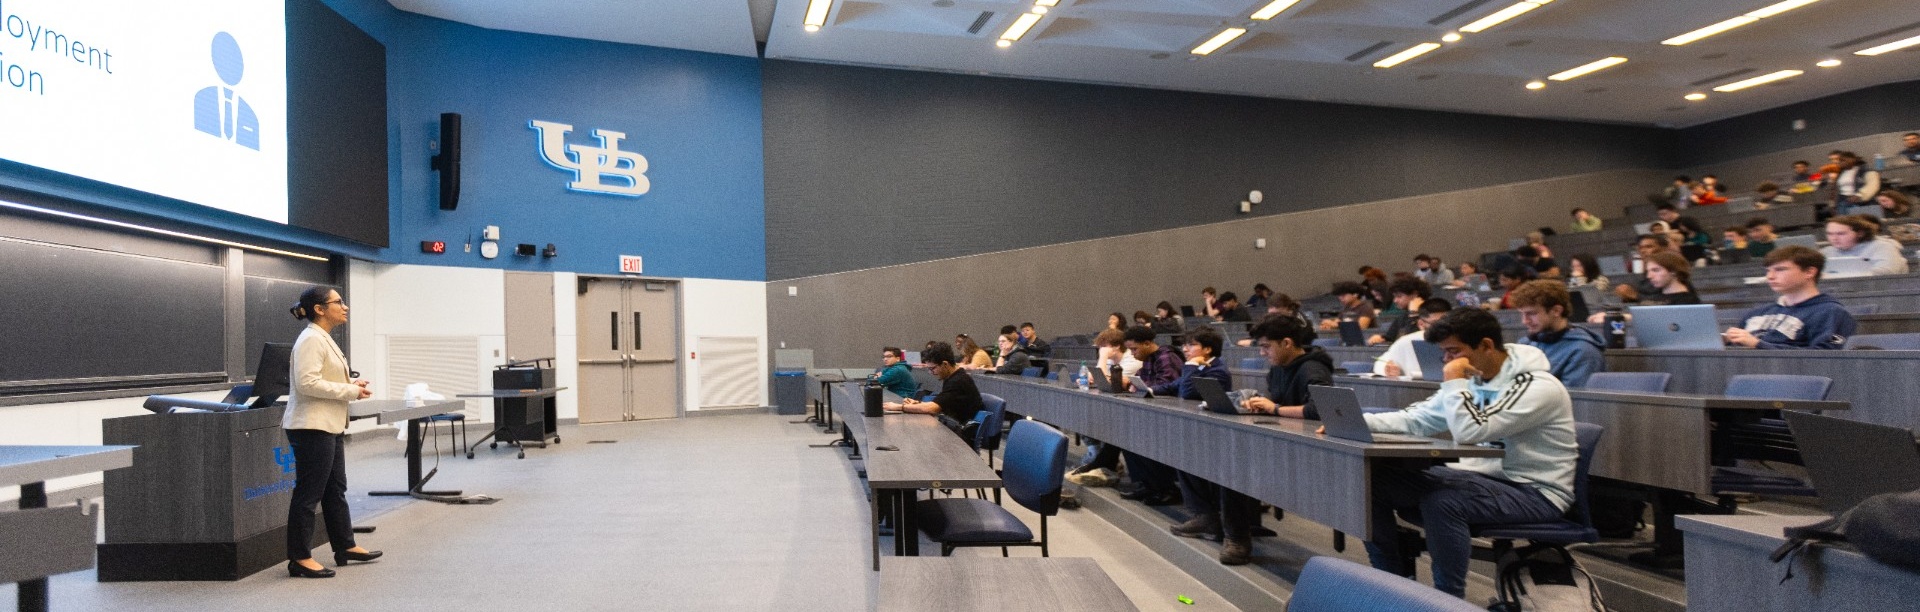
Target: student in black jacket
(1297, 364)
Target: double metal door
(629, 349)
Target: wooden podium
(206, 498)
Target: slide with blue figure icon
(185, 100)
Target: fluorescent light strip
(1046, 2)
(1782, 7)
(1218, 41)
(1750, 17)
(1502, 16)
(1588, 69)
(1274, 8)
(1892, 46)
(155, 230)
(1413, 52)
(1020, 26)
(1709, 31)
(817, 12)
(1759, 80)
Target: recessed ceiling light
(1218, 41)
(1537, 85)
(1020, 27)
(1892, 46)
(1003, 43)
(1401, 57)
(1450, 37)
(1828, 63)
(1273, 8)
(1588, 69)
(817, 14)
(1503, 15)
(1696, 97)
(1750, 17)
(1759, 80)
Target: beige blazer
(321, 388)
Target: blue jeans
(1446, 502)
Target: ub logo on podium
(283, 455)
(602, 169)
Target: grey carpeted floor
(717, 513)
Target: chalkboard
(78, 315)
(268, 300)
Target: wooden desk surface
(929, 455)
(28, 464)
(997, 584)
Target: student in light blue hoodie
(1803, 317)
(1494, 394)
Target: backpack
(1880, 528)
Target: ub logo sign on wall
(602, 169)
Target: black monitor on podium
(270, 377)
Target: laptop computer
(1643, 229)
(1849, 461)
(1097, 378)
(1577, 309)
(912, 357)
(1802, 240)
(1186, 311)
(1433, 360)
(1340, 412)
(1350, 334)
(1216, 397)
(1682, 327)
(1612, 265)
(1847, 267)
(1735, 256)
(1742, 204)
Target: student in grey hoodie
(1574, 351)
(1494, 394)
(1803, 318)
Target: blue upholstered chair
(1253, 363)
(1637, 382)
(1767, 438)
(1357, 367)
(1863, 309)
(992, 426)
(1576, 528)
(1033, 372)
(1326, 342)
(1036, 465)
(1333, 584)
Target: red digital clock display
(433, 247)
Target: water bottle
(1879, 162)
(1114, 380)
(1082, 378)
(1639, 265)
(1616, 329)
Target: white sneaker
(1101, 477)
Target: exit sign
(629, 264)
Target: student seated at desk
(1669, 283)
(1408, 294)
(1295, 363)
(1510, 277)
(895, 373)
(1153, 482)
(1400, 359)
(1495, 394)
(1229, 308)
(972, 357)
(1013, 357)
(1030, 340)
(1354, 306)
(1164, 319)
(1857, 236)
(1760, 237)
(1573, 351)
(1803, 318)
(1217, 512)
(958, 401)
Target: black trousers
(1238, 512)
(320, 477)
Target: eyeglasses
(341, 302)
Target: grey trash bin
(790, 392)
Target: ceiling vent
(1369, 50)
(1875, 35)
(1720, 77)
(980, 22)
(1457, 11)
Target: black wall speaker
(448, 161)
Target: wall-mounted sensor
(525, 250)
(1255, 196)
(1246, 207)
(551, 251)
(1259, 243)
(492, 232)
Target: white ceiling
(1302, 54)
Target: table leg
(33, 593)
(908, 529)
(873, 497)
(414, 481)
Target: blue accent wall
(695, 116)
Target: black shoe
(342, 557)
(1136, 494)
(296, 570)
(1201, 526)
(1263, 532)
(1162, 499)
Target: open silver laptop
(1682, 327)
(1216, 397)
(1612, 265)
(1340, 412)
(1849, 461)
(1802, 240)
(1433, 360)
(1847, 267)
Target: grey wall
(870, 167)
(1068, 288)
(1852, 115)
